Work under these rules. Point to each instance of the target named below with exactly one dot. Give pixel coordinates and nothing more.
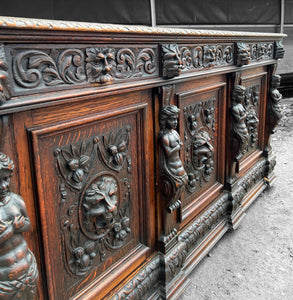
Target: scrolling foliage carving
(44, 68)
(18, 268)
(94, 206)
(199, 142)
(177, 59)
(174, 177)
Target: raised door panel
(202, 128)
(92, 176)
(255, 107)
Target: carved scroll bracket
(18, 268)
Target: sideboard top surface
(59, 25)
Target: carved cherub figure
(18, 268)
(239, 129)
(276, 96)
(171, 144)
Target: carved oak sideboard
(134, 151)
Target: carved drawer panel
(89, 176)
(203, 130)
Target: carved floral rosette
(95, 191)
(199, 143)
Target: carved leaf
(125, 63)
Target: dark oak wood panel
(134, 149)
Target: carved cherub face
(5, 176)
(172, 121)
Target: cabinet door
(202, 118)
(92, 178)
(255, 83)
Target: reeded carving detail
(4, 78)
(172, 63)
(275, 112)
(279, 50)
(18, 268)
(94, 207)
(199, 140)
(174, 177)
(243, 54)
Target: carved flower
(77, 163)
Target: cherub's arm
(21, 222)
(166, 146)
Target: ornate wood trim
(42, 24)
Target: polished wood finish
(135, 149)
